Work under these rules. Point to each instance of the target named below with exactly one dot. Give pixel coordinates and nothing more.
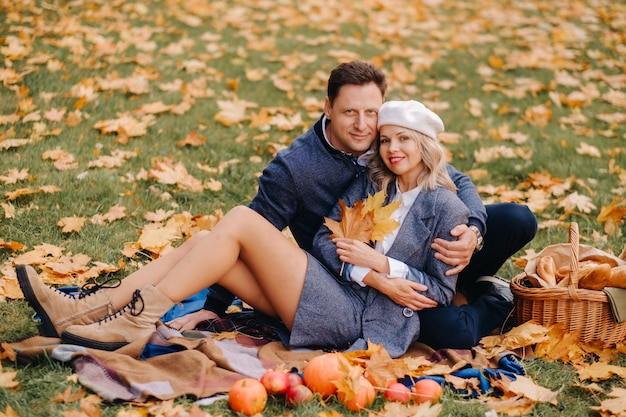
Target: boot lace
(91, 286)
(131, 307)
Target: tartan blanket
(204, 362)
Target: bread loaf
(594, 276)
(618, 277)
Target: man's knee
(515, 218)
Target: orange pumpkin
(364, 396)
(321, 373)
(247, 396)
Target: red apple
(426, 390)
(275, 382)
(398, 392)
(295, 379)
(298, 394)
(247, 396)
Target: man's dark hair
(357, 73)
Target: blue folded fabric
(508, 365)
(188, 305)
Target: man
(303, 182)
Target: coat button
(407, 312)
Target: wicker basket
(582, 311)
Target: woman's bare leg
(153, 272)
(245, 254)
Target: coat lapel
(414, 234)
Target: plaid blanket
(204, 362)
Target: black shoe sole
(46, 328)
(89, 343)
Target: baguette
(546, 269)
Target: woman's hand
(456, 253)
(406, 293)
(401, 291)
(191, 320)
(358, 253)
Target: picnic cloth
(203, 363)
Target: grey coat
(351, 315)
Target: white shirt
(397, 269)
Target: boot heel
(46, 327)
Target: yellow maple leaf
(349, 383)
(383, 223)
(366, 220)
(354, 224)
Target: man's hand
(191, 320)
(456, 253)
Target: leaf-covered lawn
(127, 126)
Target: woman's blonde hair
(435, 172)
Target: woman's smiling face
(401, 153)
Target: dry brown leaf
(10, 289)
(524, 335)
(614, 406)
(9, 412)
(116, 212)
(192, 139)
(165, 171)
(601, 371)
(232, 112)
(511, 406)
(529, 389)
(14, 246)
(396, 409)
(7, 379)
(68, 396)
(13, 176)
(612, 216)
(71, 224)
(574, 202)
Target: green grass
(299, 42)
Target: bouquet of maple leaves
(366, 221)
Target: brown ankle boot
(135, 321)
(57, 309)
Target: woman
(248, 256)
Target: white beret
(410, 114)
